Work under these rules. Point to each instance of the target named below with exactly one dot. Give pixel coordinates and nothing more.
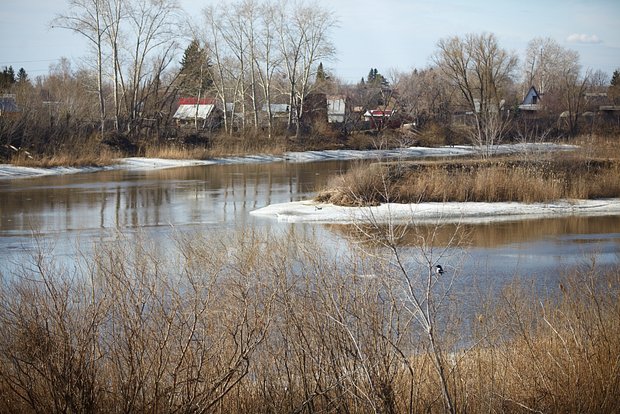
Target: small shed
(194, 108)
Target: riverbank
(144, 163)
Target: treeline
(251, 55)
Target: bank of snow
(468, 212)
(139, 163)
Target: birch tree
(303, 34)
(113, 14)
(152, 33)
(268, 59)
(86, 17)
(221, 72)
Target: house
(191, 109)
(532, 101)
(378, 118)
(8, 106)
(336, 109)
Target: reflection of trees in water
(115, 199)
(495, 234)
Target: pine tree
(22, 77)
(320, 74)
(615, 78)
(7, 78)
(372, 75)
(195, 75)
(614, 88)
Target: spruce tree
(614, 88)
(22, 76)
(195, 76)
(7, 78)
(320, 74)
(615, 78)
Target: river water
(68, 213)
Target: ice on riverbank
(139, 163)
(468, 212)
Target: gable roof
(531, 102)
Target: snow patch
(467, 212)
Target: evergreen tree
(7, 78)
(614, 88)
(376, 79)
(195, 76)
(320, 74)
(372, 75)
(22, 77)
(615, 78)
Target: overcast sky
(385, 34)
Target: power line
(28, 61)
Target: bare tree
(481, 70)
(152, 35)
(86, 18)
(113, 16)
(556, 72)
(303, 34)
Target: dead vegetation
(257, 323)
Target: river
(68, 213)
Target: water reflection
(572, 229)
(124, 199)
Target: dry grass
(495, 180)
(81, 159)
(259, 324)
(218, 146)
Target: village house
(531, 104)
(202, 111)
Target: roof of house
(188, 107)
(185, 112)
(379, 112)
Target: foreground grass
(263, 324)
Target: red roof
(195, 101)
(378, 112)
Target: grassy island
(593, 171)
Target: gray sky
(386, 34)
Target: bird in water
(439, 270)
